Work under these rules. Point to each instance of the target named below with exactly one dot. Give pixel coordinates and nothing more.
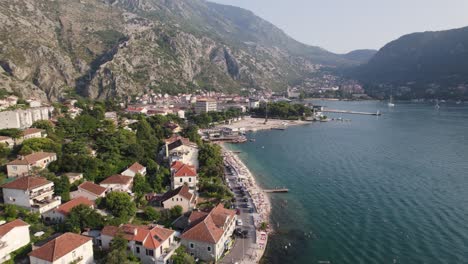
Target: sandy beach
(260, 200)
(255, 124)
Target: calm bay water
(389, 189)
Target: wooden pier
(351, 112)
(283, 190)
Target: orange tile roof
(117, 179)
(136, 167)
(66, 208)
(32, 158)
(185, 171)
(30, 131)
(5, 138)
(151, 237)
(210, 227)
(183, 191)
(92, 188)
(26, 183)
(59, 247)
(6, 228)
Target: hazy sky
(344, 25)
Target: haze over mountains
(109, 48)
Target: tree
(40, 144)
(62, 188)
(191, 132)
(140, 186)
(83, 216)
(182, 257)
(10, 211)
(121, 205)
(11, 132)
(151, 214)
(44, 124)
(176, 211)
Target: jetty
(351, 112)
(282, 190)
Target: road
(243, 248)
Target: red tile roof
(66, 208)
(183, 191)
(32, 158)
(174, 138)
(59, 247)
(208, 228)
(30, 131)
(117, 179)
(185, 171)
(5, 138)
(26, 183)
(136, 167)
(6, 228)
(92, 188)
(151, 237)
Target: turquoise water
(389, 189)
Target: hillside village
(107, 182)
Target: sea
(370, 189)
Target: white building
(180, 149)
(59, 214)
(8, 141)
(67, 248)
(135, 169)
(183, 174)
(206, 105)
(118, 183)
(25, 164)
(34, 193)
(254, 103)
(73, 176)
(24, 118)
(152, 244)
(31, 133)
(89, 190)
(13, 236)
(209, 234)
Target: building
(180, 196)
(152, 244)
(208, 235)
(59, 214)
(25, 164)
(206, 105)
(34, 193)
(73, 176)
(173, 127)
(254, 103)
(183, 174)
(31, 133)
(8, 141)
(89, 190)
(118, 183)
(67, 248)
(24, 118)
(135, 169)
(178, 148)
(8, 102)
(13, 236)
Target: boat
(252, 140)
(458, 102)
(390, 103)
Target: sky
(345, 25)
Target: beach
(260, 200)
(255, 124)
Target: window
(190, 179)
(180, 179)
(209, 249)
(138, 243)
(172, 198)
(149, 252)
(138, 250)
(192, 245)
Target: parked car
(245, 199)
(239, 222)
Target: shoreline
(260, 199)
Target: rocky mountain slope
(108, 48)
(427, 64)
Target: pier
(282, 190)
(351, 112)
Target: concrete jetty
(351, 112)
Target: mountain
(420, 65)
(120, 48)
(360, 56)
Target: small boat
(458, 102)
(252, 140)
(390, 103)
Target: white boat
(390, 103)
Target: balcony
(35, 194)
(168, 252)
(45, 205)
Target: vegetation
(204, 120)
(120, 204)
(282, 110)
(182, 257)
(82, 217)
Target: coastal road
(243, 248)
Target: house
(152, 244)
(67, 248)
(137, 110)
(13, 236)
(33, 133)
(183, 174)
(180, 196)
(118, 183)
(25, 164)
(89, 190)
(8, 141)
(34, 193)
(208, 235)
(178, 148)
(59, 214)
(73, 176)
(135, 169)
(205, 105)
(173, 127)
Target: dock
(283, 190)
(351, 112)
